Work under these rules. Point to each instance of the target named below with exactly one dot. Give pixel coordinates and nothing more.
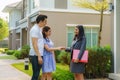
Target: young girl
(49, 64)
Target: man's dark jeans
(35, 67)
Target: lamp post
(26, 64)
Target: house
(4, 43)
(62, 18)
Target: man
(37, 45)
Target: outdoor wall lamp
(111, 6)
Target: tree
(98, 5)
(3, 29)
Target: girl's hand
(60, 48)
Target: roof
(9, 7)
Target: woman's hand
(63, 48)
(60, 48)
(76, 60)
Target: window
(61, 4)
(70, 36)
(91, 34)
(48, 4)
(36, 3)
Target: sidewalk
(7, 72)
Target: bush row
(3, 50)
(99, 64)
(20, 54)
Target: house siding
(15, 15)
(58, 22)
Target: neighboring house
(4, 43)
(62, 18)
(15, 15)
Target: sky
(3, 3)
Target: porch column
(13, 39)
(10, 40)
(116, 36)
(21, 38)
(29, 25)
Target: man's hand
(40, 61)
(76, 60)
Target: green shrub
(17, 54)
(64, 57)
(25, 51)
(57, 53)
(6, 49)
(61, 74)
(3, 50)
(99, 64)
(10, 52)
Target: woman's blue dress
(49, 64)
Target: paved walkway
(7, 72)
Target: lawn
(20, 66)
(8, 57)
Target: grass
(8, 57)
(20, 66)
(62, 66)
(61, 73)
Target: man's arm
(35, 46)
